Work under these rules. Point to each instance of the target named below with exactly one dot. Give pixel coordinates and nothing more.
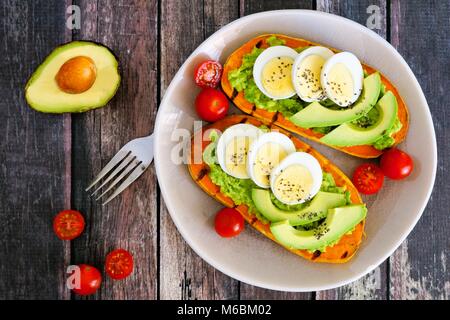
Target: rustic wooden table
(47, 160)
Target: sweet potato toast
(339, 253)
(235, 60)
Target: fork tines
(124, 166)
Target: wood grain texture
(47, 160)
(129, 28)
(361, 11)
(32, 158)
(184, 275)
(249, 7)
(419, 31)
(373, 285)
(253, 6)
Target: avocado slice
(349, 134)
(339, 221)
(44, 91)
(316, 210)
(316, 115)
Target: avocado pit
(76, 75)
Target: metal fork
(125, 167)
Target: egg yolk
(340, 82)
(236, 156)
(276, 77)
(268, 157)
(308, 77)
(293, 184)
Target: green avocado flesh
(316, 115)
(339, 222)
(321, 117)
(241, 79)
(263, 204)
(43, 93)
(317, 209)
(350, 134)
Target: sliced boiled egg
(232, 149)
(266, 153)
(342, 78)
(296, 179)
(272, 72)
(306, 73)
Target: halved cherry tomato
(119, 264)
(207, 74)
(368, 178)
(396, 164)
(229, 223)
(68, 224)
(90, 280)
(211, 105)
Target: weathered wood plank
(252, 6)
(130, 29)
(370, 287)
(32, 157)
(365, 12)
(373, 285)
(249, 7)
(184, 275)
(419, 31)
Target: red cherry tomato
(211, 105)
(368, 178)
(119, 264)
(68, 224)
(229, 223)
(396, 164)
(90, 280)
(207, 74)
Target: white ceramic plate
(251, 257)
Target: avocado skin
(46, 60)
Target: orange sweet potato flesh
(340, 252)
(235, 60)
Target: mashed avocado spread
(239, 190)
(241, 79)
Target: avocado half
(348, 134)
(43, 94)
(316, 115)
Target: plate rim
(392, 248)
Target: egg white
(238, 130)
(306, 160)
(355, 68)
(267, 55)
(270, 137)
(323, 52)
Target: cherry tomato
(368, 178)
(396, 164)
(119, 264)
(229, 223)
(90, 280)
(211, 105)
(68, 224)
(207, 74)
